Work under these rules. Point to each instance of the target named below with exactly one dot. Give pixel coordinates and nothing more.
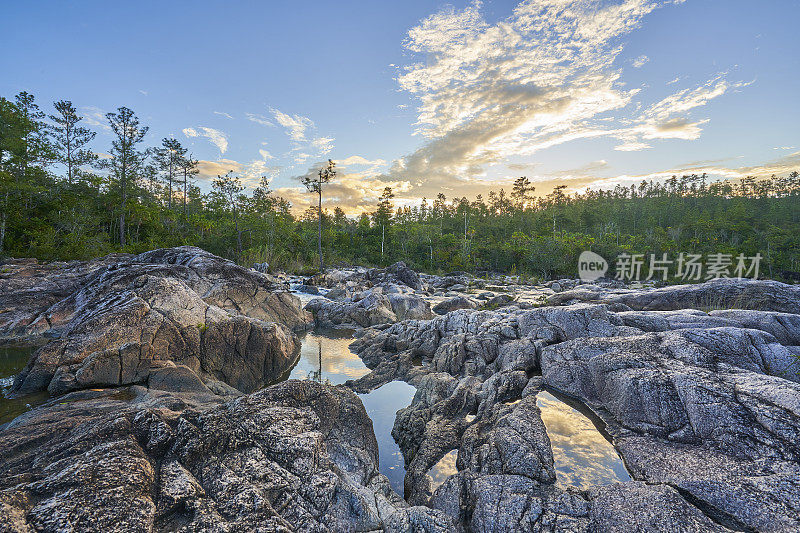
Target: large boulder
(298, 456)
(453, 304)
(183, 305)
(396, 273)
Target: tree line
(60, 200)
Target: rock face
(121, 321)
(720, 293)
(453, 304)
(298, 456)
(371, 307)
(704, 407)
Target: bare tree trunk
(184, 191)
(319, 230)
(122, 213)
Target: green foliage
(51, 212)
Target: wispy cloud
(222, 114)
(295, 125)
(216, 137)
(94, 116)
(259, 119)
(323, 145)
(640, 61)
(546, 75)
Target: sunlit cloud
(640, 61)
(265, 154)
(216, 137)
(546, 75)
(209, 170)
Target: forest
(61, 198)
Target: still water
(325, 356)
(12, 360)
(583, 456)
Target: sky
(428, 97)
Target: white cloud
(266, 155)
(543, 76)
(259, 119)
(222, 114)
(301, 157)
(94, 116)
(323, 145)
(295, 125)
(216, 137)
(640, 61)
(142, 91)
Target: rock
(498, 301)
(410, 307)
(308, 289)
(397, 273)
(458, 287)
(261, 267)
(459, 302)
(703, 407)
(636, 506)
(365, 309)
(298, 456)
(182, 305)
(722, 293)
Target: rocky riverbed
(554, 407)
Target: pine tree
(229, 187)
(125, 160)
(70, 139)
(315, 185)
(189, 168)
(383, 215)
(169, 159)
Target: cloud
(354, 192)
(779, 167)
(295, 125)
(544, 76)
(323, 145)
(266, 155)
(216, 137)
(142, 91)
(209, 170)
(94, 116)
(354, 160)
(255, 170)
(259, 119)
(220, 113)
(640, 61)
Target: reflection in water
(442, 470)
(382, 405)
(325, 356)
(582, 455)
(12, 360)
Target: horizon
(457, 98)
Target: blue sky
(429, 97)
